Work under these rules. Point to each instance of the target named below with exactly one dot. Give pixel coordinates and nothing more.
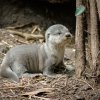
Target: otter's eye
(59, 33)
(48, 35)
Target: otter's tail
(8, 73)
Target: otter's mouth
(67, 40)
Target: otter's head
(57, 34)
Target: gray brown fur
(36, 58)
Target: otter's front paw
(49, 74)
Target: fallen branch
(43, 90)
(21, 26)
(27, 36)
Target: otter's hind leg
(6, 72)
(19, 68)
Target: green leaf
(79, 10)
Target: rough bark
(88, 53)
(98, 69)
(94, 34)
(98, 7)
(79, 44)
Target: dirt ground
(26, 24)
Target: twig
(20, 41)
(90, 75)
(85, 82)
(14, 96)
(12, 35)
(12, 91)
(12, 87)
(34, 29)
(6, 43)
(58, 79)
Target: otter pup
(37, 58)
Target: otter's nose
(68, 35)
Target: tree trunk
(88, 53)
(94, 35)
(79, 44)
